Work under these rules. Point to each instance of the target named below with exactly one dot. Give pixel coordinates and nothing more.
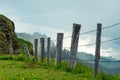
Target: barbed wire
(111, 26)
(95, 43)
(110, 61)
(92, 60)
(84, 60)
(107, 27)
(118, 38)
(102, 42)
(102, 28)
(88, 32)
(110, 40)
(87, 45)
(99, 60)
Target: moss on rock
(29, 45)
(7, 33)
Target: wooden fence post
(42, 49)
(97, 51)
(26, 50)
(74, 46)
(48, 50)
(59, 48)
(36, 49)
(11, 49)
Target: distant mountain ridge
(31, 37)
(107, 67)
(103, 60)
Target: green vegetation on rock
(7, 33)
(29, 45)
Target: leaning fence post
(74, 46)
(26, 50)
(11, 49)
(59, 48)
(48, 50)
(42, 49)
(36, 49)
(97, 50)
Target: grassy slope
(29, 45)
(21, 68)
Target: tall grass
(22, 68)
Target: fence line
(74, 46)
(98, 43)
(92, 43)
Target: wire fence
(91, 44)
(100, 60)
(110, 40)
(90, 31)
(102, 42)
(92, 60)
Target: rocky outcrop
(7, 33)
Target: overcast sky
(52, 16)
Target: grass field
(22, 68)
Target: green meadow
(22, 68)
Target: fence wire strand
(92, 60)
(114, 25)
(118, 38)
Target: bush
(20, 57)
(5, 57)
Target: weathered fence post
(42, 49)
(36, 49)
(48, 50)
(97, 50)
(74, 46)
(26, 50)
(59, 48)
(11, 49)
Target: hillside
(36, 35)
(22, 68)
(7, 34)
(29, 45)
